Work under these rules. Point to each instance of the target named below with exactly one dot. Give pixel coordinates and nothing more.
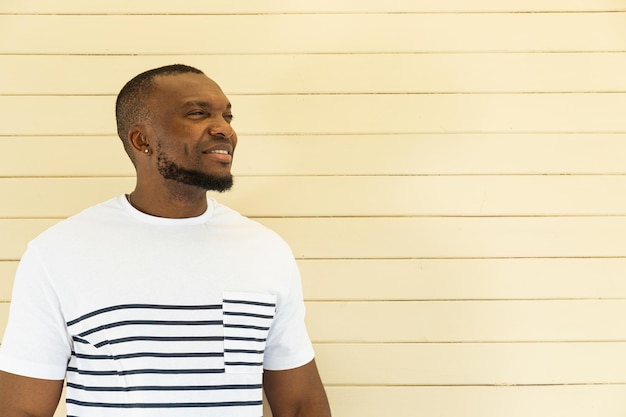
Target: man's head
(132, 105)
(174, 120)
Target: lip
(221, 153)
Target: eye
(228, 117)
(196, 113)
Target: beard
(170, 170)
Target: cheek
(234, 139)
(177, 141)
(187, 150)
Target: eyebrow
(204, 104)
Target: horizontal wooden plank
(446, 279)
(478, 401)
(466, 321)
(413, 154)
(57, 157)
(281, 33)
(413, 237)
(317, 74)
(471, 401)
(319, 6)
(349, 196)
(425, 196)
(472, 364)
(452, 237)
(59, 197)
(463, 279)
(510, 401)
(347, 114)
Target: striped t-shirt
(184, 328)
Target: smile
(222, 154)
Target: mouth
(221, 153)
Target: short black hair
(131, 104)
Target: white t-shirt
(154, 316)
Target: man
(161, 302)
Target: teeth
(220, 151)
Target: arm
(21, 396)
(296, 392)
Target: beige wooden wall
(450, 174)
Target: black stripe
(244, 363)
(147, 371)
(252, 303)
(166, 388)
(244, 339)
(161, 339)
(150, 355)
(243, 326)
(144, 306)
(244, 351)
(259, 316)
(166, 405)
(152, 322)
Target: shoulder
(236, 223)
(83, 223)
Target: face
(195, 142)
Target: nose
(221, 129)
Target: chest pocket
(247, 320)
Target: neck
(170, 205)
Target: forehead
(174, 91)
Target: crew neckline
(147, 218)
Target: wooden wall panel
(453, 237)
(328, 73)
(347, 114)
(451, 182)
(459, 321)
(464, 279)
(90, 156)
(446, 279)
(340, 196)
(318, 6)
(309, 155)
(467, 321)
(268, 34)
(58, 197)
(484, 401)
(501, 364)
(414, 237)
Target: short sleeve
(35, 342)
(288, 344)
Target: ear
(138, 139)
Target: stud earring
(146, 150)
